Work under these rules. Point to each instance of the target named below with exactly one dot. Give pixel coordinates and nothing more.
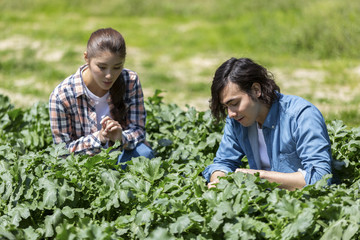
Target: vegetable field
(46, 195)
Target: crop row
(46, 195)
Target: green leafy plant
(45, 192)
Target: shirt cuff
(209, 170)
(303, 172)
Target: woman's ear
(86, 57)
(256, 89)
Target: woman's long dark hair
(108, 39)
(244, 72)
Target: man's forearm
(289, 181)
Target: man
(284, 137)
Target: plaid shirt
(73, 115)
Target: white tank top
(264, 157)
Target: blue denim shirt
(296, 137)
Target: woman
(101, 103)
(284, 137)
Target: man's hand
(215, 178)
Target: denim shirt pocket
(289, 162)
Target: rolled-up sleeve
(63, 131)
(136, 115)
(313, 144)
(228, 156)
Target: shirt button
(272, 126)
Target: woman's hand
(110, 130)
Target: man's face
(240, 105)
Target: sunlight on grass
(177, 45)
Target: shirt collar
(79, 82)
(271, 118)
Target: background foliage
(311, 46)
(46, 195)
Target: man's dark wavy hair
(244, 72)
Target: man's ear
(256, 89)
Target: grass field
(176, 46)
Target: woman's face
(104, 69)
(241, 106)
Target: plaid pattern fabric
(73, 116)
